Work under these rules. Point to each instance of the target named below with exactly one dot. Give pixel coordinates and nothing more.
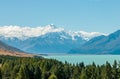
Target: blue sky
(88, 15)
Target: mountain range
(101, 45)
(47, 39)
(51, 39)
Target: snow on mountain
(85, 35)
(28, 32)
(109, 44)
(47, 39)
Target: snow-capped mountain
(85, 35)
(109, 44)
(47, 39)
(26, 32)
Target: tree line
(41, 68)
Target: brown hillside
(12, 53)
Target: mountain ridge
(101, 45)
(28, 32)
(12, 51)
(47, 39)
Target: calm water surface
(87, 59)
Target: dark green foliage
(40, 68)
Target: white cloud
(26, 32)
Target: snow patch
(85, 35)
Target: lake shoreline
(87, 59)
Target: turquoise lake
(87, 59)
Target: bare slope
(12, 51)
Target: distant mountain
(53, 42)
(101, 45)
(47, 39)
(12, 51)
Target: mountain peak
(28, 32)
(52, 26)
(117, 32)
(101, 45)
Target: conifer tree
(23, 72)
(83, 74)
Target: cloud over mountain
(38, 39)
(27, 32)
